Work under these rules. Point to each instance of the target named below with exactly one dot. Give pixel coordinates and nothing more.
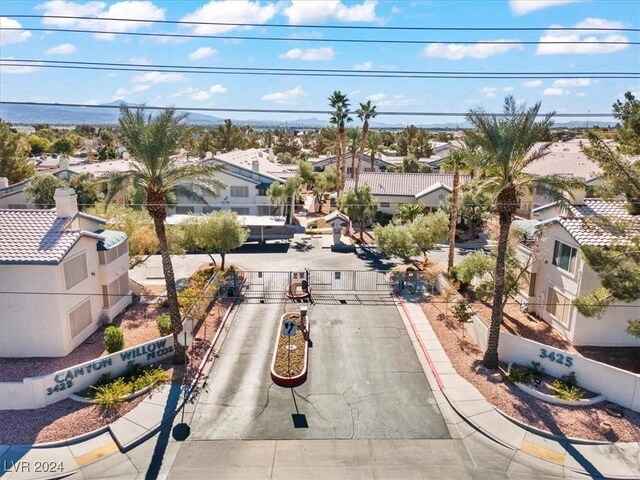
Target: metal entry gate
(348, 280)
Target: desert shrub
(518, 374)
(567, 393)
(187, 297)
(463, 311)
(113, 339)
(110, 396)
(163, 322)
(455, 276)
(149, 377)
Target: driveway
(364, 381)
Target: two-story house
(62, 275)
(559, 274)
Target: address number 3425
(558, 358)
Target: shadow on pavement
(281, 247)
(373, 258)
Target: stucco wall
(20, 199)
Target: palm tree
(459, 160)
(506, 145)
(354, 136)
(229, 136)
(340, 104)
(366, 112)
(408, 212)
(151, 141)
(374, 144)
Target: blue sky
(298, 92)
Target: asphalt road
(364, 380)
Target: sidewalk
(474, 413)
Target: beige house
(62, 275)
(392, 190)
(559, 274)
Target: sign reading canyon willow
(82, 376)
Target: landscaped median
(290, 363)
(604, 421)
(114, 395)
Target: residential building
(62, 275)
(390, 190)
(559, 274)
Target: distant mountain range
(61, 115)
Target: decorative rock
(614, 412)
(496, 377)
(605, 428)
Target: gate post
(401, 281)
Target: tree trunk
(342, 162)
(454, 220)
(293, 202)
(363, 142)
(213, 260)
(223, 255)
(506, 205)
(353, 160)
(157, 209)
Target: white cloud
(584, 42)
(202, 52)
(489, 92)
(314, 11)
(140, 60)
(384, 100)
(290, 96)
(309, 54)
(218, 89)
(124, 92)
(158, 77)
(532, 83)
(554, 92)
(91, 101)
(229, 11)
(16, 70)
(573, 82)
(200, 95)
(458, 51)
(522, 7)
(581, 94)
(142, 10)
(363, 66)
(507, 89)
(62, 49)
(8, 37)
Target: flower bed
(289, 365)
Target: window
(262, 192)
(241, 210)
(113, 293)
(564, 256)
(239, 192)
(558, 305)
(80, 318)
(209, 209)
(184, 210)
(264, 210)
(527, 283)
(385, 205)
(349, 170)
(75, 270)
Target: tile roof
(36, 237)
(565, 158)
(245, 159)
(404, 184)
(583, 225)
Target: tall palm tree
(354, 136)
(458, 161)
(340, 117)
(229, 136)
(374, 145)
(506, 145)
(151, 141)
(366, 112)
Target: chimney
(255, 166)
(63, 164)
(577, 196)
(271, 156)
(4, 182)
(125, 155)
(208, 155)
(66, 202)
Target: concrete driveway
(364, 381)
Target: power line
(307, 72)
(322, 40)
(332, 27)
(303, 111)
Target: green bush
(113, 339)
(164, 324)
(568, 393)
(110, 396)
(518, 374)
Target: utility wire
(322, 40)
(302, 111)
(308, 72)
(333, 27)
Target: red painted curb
(415, 332)
(298, 379)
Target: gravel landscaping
(290, 363)
(576, 422)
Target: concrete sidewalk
(565, 458)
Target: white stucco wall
(16, 200)
(36, 323)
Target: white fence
(619, 386)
